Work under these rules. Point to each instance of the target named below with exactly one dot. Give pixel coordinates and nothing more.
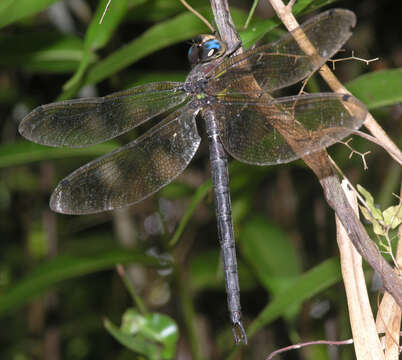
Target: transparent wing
(283, 63)
(255, 132)
(133, 172)
(89, 121)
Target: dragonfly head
(206, 48)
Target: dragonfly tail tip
(239, 333)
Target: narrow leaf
(98, 35)
(136, 344)
(66, 267)
(303, 288)
(379, 88)
(26, 152)
(19, 9)
(393, 216)
(159, 36)
(270, 252)
(41, 51)
(197, 198)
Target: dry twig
(366, 342)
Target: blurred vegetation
(57, 273)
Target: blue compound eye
(211, 49)
(205, 48)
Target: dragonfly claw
(239, 333)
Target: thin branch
(379, 143)
(316, 342)
(250, 14)
(105, 11)
(196, 13)
(308, 343)
(333, 192)
(225, 24)
(353, 151)
(353, 57)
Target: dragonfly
(233, 96)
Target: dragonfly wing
(133, 172)
(88, 121)
(283, 62)
(255, 132)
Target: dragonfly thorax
(196, 86)
(197, 79)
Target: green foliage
(383, 221)
(25, 152)
(15, 10)
(42, 52)
(98, 35)
(380, 88)
(152, 335)
(64, 267)
(269, 250)
(297, 291)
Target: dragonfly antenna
(196, 13)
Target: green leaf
(270, 252)
(377, 227)
(390, 218)
(26, 152)
(379, 88)
(376, 213)
(393, 216)
(98, 35)
(137, 344)
(153, 335)
(42, 51)
(11, 11)
(197, 198)
(317, 4)
(156, 327)
(4, 5)
(367, 196)
(301, 289)
(66, 267)
(159, 36)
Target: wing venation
(89, 121)
(285, 129)
(283, 63)
(133, 172)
